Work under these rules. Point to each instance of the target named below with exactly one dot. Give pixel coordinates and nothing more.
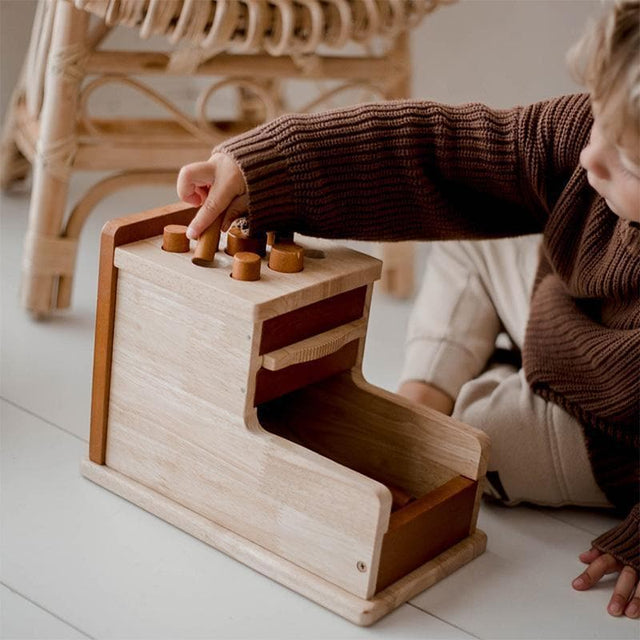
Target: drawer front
(273, 384)
(313, 319)
(425, 528)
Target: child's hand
(217, 186)
(426, 394)
(626, 593)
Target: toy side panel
(175, 426)
(431, 434)
(115, 233)
(307, 515)
(161, 335)
(382, 439)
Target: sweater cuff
(623, 541)
(270, 187)
(443, 364)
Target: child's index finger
(194, 177)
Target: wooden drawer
(312, 319)
(323, 339)
(425, 528)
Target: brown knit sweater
(417, 170)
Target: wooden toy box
(237, 411)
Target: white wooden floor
(77, 561)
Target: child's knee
(481, 401)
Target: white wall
(501, 52)
(16, 17)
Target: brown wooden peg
(286, 258)
(237, 240)
(279, 237)
(174, 238)
(207, 245)
(246, 266)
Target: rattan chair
(253, 46)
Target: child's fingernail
(615, 608)
(578, 583)
(632, 610)
(190, 234)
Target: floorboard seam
(451, 624)
(569, 524)
(51, 613)
(39, 417)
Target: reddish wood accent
(115, 233)
(315, 318)
(399, 497)
(273, 384)
(425, 528)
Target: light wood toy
(237, 411)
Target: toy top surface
(328, 270)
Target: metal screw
(362, 567)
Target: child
(568, 168)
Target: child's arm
(407, 170)
(453, 326)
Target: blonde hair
(606, 60)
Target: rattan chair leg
(46, 256)
(13, 165)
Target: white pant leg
(507, 269)
(470, 292)
(537, 448)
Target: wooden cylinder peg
(279, 237)
(246, 266)
(286, 258)
(174, 238)
(237, 241)
(207, 245)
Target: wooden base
(355, 609)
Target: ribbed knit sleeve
(623, 541)
(409, 170)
